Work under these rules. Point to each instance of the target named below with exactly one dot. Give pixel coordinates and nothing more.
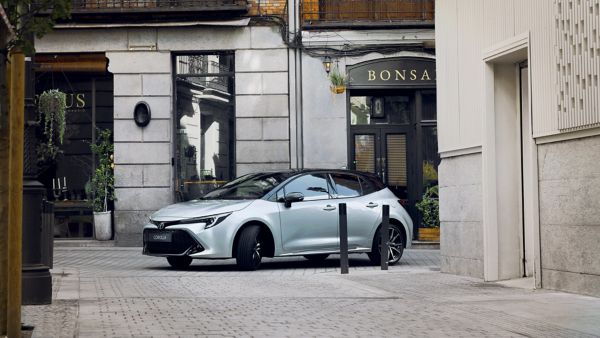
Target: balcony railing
(338, 13)
(157, 7)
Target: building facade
(240, 86)
(519, 139)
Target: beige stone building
(519, 137)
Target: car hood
(198, 208)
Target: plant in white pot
(103, 185)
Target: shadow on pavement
(269, 264)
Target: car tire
(179, 262)
(397, 241)
(249, 253)
(317, 257)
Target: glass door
(384, 152)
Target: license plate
(160, 236)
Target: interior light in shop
(327, 64)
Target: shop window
(370, 110)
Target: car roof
(314, 170)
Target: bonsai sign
(393, 72)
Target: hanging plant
(338, 81)
(52, 107)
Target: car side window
(368, 186)
(312, 186)
(346, 185)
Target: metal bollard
(343, 239)
(385, 237)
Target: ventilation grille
(578, 63)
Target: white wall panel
(470, 70)
(447, 75)
(465, 28)
(499, 21)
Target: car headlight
(209, 221)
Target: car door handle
(329, 208)
(372, 205)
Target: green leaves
(429, 207)
(103, 180)
(52, 105)
(33, 18)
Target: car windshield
(253, 186)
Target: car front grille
(181, 243)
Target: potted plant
(103, 185)
(52, 106)
(338, 81)
(429, 207)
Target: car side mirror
(292, 198)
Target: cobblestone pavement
(117, 292)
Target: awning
(226, 23)
(83, 63)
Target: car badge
(161, 226)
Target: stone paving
(117, 292)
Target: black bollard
(385, 237)
(343, 239)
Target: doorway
(393, 134)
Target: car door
(311, 224)
(363, 211)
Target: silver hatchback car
(276, 214)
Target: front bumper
(182, 243)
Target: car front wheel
(396, 246)
(249, 250)
(179, 262)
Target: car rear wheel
(396, 246)
(249, 248)
(179, 262)
(316, 258)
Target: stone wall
(143, 176)
(569, 193)
(141, 61)
(262, 110)
(461, 215)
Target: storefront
(392, 127)
(89, 107)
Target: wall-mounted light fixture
(327, 64)
(141, 114)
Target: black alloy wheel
(249, 248)
(316, 257)
(396, 246)
(179, 262)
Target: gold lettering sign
(371, 75)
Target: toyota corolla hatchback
(276, 214)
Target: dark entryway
(393, 133)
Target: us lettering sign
(393, 72)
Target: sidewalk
(100, 292)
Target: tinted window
(346, 185)
(312, 186)
(370, 185)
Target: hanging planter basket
(338, 89)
